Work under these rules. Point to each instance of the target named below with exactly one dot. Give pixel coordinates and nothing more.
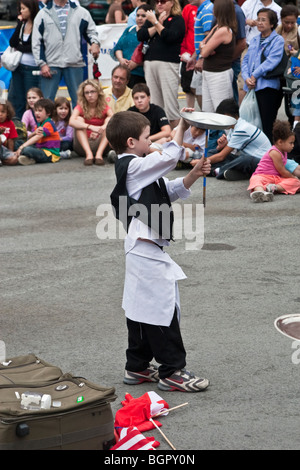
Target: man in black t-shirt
(160, 129)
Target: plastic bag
(249, 109)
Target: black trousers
(163, 343)
(267, 100)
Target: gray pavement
(61, 290)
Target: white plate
(289, 325)
(209, 120)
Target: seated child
(271, 175)
(61, 117)
(33, 95)
(44, 144)
(160, 129)
(239, 153)
(8, 134)
(150, 298)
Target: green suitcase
(80, 416)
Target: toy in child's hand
(96, 71)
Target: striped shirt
(62, 13)
(50, 142)
(248, 138)
(203, 23)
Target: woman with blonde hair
(217, 49)
(89, 119)
(163, 32)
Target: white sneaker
(65, 154)
(23, 160)
(261, 196)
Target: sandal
(99, 161)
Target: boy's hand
(203, 166)
(222, 141)
(182, 121)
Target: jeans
(21, 81)
(37, 154)
(73, 76)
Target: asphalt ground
(61, 290)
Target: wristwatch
(156, 22)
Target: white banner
(108, 37)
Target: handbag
(138, 56)
(11, 58)
(279, 70)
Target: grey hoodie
(48, 45)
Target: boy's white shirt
(143, 171)
(151, 275)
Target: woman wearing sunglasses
(163, 32)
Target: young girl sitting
(33, 95)
(8, 134)
(89, 119)
(271, 175)
(61, 117)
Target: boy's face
(40, 114)
(196, 132)
(141, 101)
(141, 146)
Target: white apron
(150, 290)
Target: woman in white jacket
(57, 36)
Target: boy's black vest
(153, 207)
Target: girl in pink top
(271, 175)
(33, 95)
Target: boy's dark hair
(281, 130)
(228, 107)
(123, 125)
(140, 88)
(46, 104)
(271, 15)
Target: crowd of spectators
(218, 51)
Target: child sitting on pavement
(239, 153)
(271, 175)
(150, 297)
(160, 129)
(44, 144)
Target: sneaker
(112, 156)
(234, 175)
(136, 378)
(261, 196)
(271, 188)
(0, 163)
(65, 154)
(23, 160)
(183, 381)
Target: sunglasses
(162, 1)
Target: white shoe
(261, 196)
(65, 154)
(23, 160)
